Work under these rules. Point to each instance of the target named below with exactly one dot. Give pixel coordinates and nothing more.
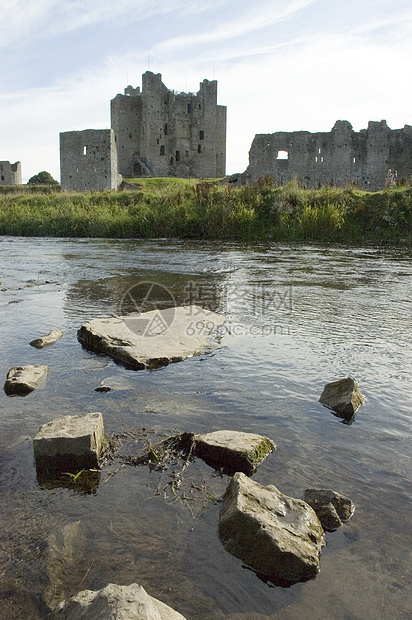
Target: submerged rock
(47, 339)
(152, 339)
(278, 536)
(342, 396)
(331, 507)
(233, 451)
(69, 443)
(115, 603)
(22, 380)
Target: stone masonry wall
(176, 134)
(338, 157)
(88, 160)
(10, 174)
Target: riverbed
(298, 316)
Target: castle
(154, 132)
(338, 157)
(10, 174)
(158, 132)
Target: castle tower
(163, 133)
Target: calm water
(298, 317)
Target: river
(298, 316)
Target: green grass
(206, 209)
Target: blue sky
(281, 65)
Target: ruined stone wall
(336, 157)
(177, 134)
(10, 174)
(88, 160)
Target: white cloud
(22, 20)
(251, 20)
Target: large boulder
(342, 396)
(278, 536)
(114, 603)
(152, 339)
(331, 507)
(69, 443)
(233, 451)
(21, 380)
(47, 339)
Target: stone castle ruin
(155, 132)
(338, 157)
(88, 160)
(10, 174)
(163, 133)
(159, 132)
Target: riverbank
(181, 208)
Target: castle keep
(163, 133)
(338, 157)
(10, 174)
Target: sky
(281, 65)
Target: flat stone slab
(342, 396)
(115, 602)
(331, 507)
(47, 339)
(233, 451)
(152, 339)
(69, 443)
(22, 380)
(277, 536)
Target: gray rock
(152, 339)
(22, 380)
(342, 396)
(115, 603)
(69, 443)
(331, 507)
(278, 536)
(233, 451)
(47, 339)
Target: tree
(43, 178)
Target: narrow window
(354, 160)
(201, 135)
(187, 153)
(321, 159)
(199, 148)
(85, 150)
(177, 155)
(166, 129)
(318, 150)
(171, 161)
(316, 159)
(162, 150)
(130, 136)
(2, 177)
(158, 141)
(189, 108)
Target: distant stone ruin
(155, 132)
(10, 174)
(88, 160)
(339, 157)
